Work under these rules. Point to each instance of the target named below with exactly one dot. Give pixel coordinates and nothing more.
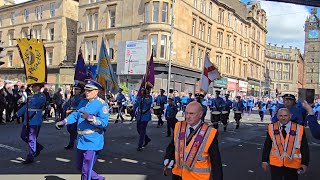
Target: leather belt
(90, 131)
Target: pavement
(240, 150)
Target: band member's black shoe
(28, 161)
(68, 147)
(146, 143)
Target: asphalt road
(240, 150)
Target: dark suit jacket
(214, 153)
(304, 149)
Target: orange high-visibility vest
(286, 152)
(193, 160)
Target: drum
(237, 115)
(215, 116)
(115, 109)
(157, 110)
(224, 116)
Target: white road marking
(101, 160)
(129, 160)
(10, 148)
(62, 159)
(250, 171)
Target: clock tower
(312, 52)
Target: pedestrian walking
(170, 114)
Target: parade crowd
(193, 152)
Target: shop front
(232, 87)
(243, 88)
(221, 85)
(254, 88)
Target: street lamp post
(171, 44)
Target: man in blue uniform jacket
(121, 99)
(70, 106)
(92, 116)
(298, 113)
(32, 121)
(170, 114)
(143, 109)
(312, 120)
(161, 100)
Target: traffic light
(1, 55)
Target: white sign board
(132, 57)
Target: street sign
(132, 57)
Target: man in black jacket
(2, 105)
(286, 148)
(186, 134)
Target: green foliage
(124, 87)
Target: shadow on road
(51, 177)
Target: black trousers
(171, 122)
(283, 173)
(176, 177)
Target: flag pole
(171, 44)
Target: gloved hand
(87, 116)
(168, 163)
(14, 117)
(60, 124)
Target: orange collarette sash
(285, 146)
(198, 141)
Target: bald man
(286, 148)
(198, 154)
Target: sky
(285, 23)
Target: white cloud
(285, 23)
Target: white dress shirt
(194, 127)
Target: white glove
(60, 124)
(167, 163)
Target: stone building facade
(311, 52)
(234, 35)
(282, 70)
(55, 21)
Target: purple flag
(148, 78)
(80, 73)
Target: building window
(218, 61)
(279, 86)
(219, 39)
(271, 74)
(240, 68)
(278, 75)
(24, 33)
(258, 36)
(195, 3)
(37, 33)
(286, 67)
(204, 3)
(229, 19)
(228, 41)
(10, 59)
(233, 66)
(252, 50)
(26, 15)
(235, 44)
(89, 17)
(253, 33)
(91, 50)
(49, 56)
(241, 28)
(210, 9)
(194, 22)
(240, 48)
(235, 27)
(13, 16)
(209, 34)
(154, 44)
(146, 12)
(285, 76)
(11, 36)
(220, 16)
(199, 58)
(245, 70)
(278, 66)
(155, 10)
(96, 21)
(227, 65)
(52, 9)
(257, 72)
(51, 33)
(251, 70)
(110, 49)
(192, 56)
(285, 87)
(163, 46)
(246, 31)
(201, 30)
(165, 12)
(201, 5)
(112, 16)
(258, 53)
(38, 12)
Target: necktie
(283, 131)
(191, 130)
